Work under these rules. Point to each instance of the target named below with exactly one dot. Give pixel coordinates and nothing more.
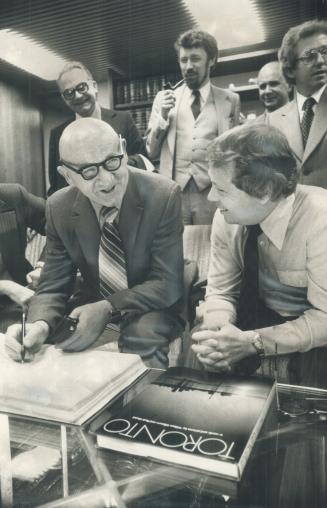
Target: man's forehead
(196, 50)
(312, 41)
(91, 149)
(269, 75)
(72, 77)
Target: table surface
(45, 464)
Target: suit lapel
(292, 129)
(318, 128)
(223, 109)
(86, 226)
(171, 136)
(129, 219)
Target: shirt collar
(300, 99)
(204, 91)
(275, 225)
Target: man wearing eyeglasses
(303, 56)
(80, 93)
(122, 228)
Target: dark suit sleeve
(135, 143)
(53, 160)
(164, 283)
(33, 209)
(56, 180)
(57, 279)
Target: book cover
(189, 418)
(65, 387)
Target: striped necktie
(307, 118)
(112, 265)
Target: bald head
(273, 89)
(94, 160)
(87, 140)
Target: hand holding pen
(23, 340)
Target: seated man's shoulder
(312, 197)
(153, 181)
(63, 197)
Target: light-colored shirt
(300, 100)
(189, 98)
(293, 250)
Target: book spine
(256, 429)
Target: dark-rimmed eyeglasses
(70, 93)
(311, 56)
(90, 171)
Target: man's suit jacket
(313, 159)
(18, 210)
(151, 230)
(121, 121)
(161, 143)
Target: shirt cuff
(216, 313)
(163, 124)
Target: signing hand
(36, 334)
(219, 350)
(16, 292)
(167, 102)
(92, 319)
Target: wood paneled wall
(21, 148)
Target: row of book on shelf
(140, 90)
(141, 118)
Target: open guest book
(185, 417)
(65, 387)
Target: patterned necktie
(248, 306)
(307, 118)
(196, 104)
(112, 265)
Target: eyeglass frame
(74, 89)
(308, 60)
(97, 165)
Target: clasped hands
(219, 349)
(92, 319)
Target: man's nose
(189, 64)
(319, 58)
(77, 94)
(104, 174)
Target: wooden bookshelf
(136, 95)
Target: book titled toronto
(183, 418)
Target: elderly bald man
(122, 229)
(273, 89)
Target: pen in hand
(23, 336)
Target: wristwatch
(257, 343)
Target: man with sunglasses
(80, 93)
(303, 57)
(122, 228)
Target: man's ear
(124, 145)
(65, 173)
(212, 62)
(95, 86)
